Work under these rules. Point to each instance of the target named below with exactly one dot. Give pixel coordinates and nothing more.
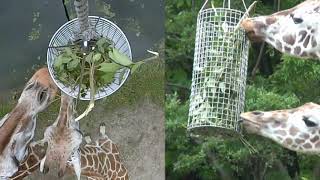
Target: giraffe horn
(88, 139)
(102, 129)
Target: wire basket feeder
(219, 72)
(85, 28)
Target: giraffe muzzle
(250, 26)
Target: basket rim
(221, 8)
(58, 83)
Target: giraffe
(64, 138)
(100, 160)
(297, 129)
(17, 127)
(293, 31)
(36, 151)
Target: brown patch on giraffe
(303, 35)
(283, 125)
(316, 9)
(114, 175)
(275, 125)
(122, 172)
(290, 39)
(307, 146)
(100, 167)
(287, 49)
(281, 132)
(118, 166)
(294, 146)
(90, 160)
(314, 139)
(109, 174)
(306, 42)
(304, 54)
(107, 145)
(297, 50)
(270, 20)
(95, 159)
(299, 141)
(304, 136)
(288, 141)
(313, 55)
(278, 45)
(112, 162)
(114, 148)
(117, 157)
(293, 131)
(313, 42)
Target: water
(23, 48)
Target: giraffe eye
(297, 20)
(308, 122)
(42, 96)
(256, 112)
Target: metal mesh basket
(219, 73)
(69, 32)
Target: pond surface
(27, 27)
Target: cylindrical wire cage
(219, 73)
(69, 32)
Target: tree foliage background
(281, 82)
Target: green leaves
(105, 59)
(109, 67)
(119, 58)
(89, 57)
(62, 59)
(96, 57)
(73, 64)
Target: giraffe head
(17, 127)
(39, 92)
(63, 138)
(296, 129)
(294, 31)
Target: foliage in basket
(74, 68)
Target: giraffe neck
(10, 123)
(102, 160)
(300, 142)
(98, 161)
(303, 43)
(31, 163)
